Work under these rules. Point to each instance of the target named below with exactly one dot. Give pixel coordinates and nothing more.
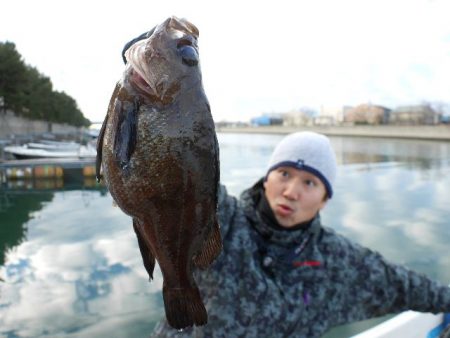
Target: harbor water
(70, 265)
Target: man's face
(295, 196)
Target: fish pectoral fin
(184, 307)
(147, 256)
(98, 159)
(126, 133)
(211, 248)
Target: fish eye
(189, 55)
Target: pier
(47, 168)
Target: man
(282, 274)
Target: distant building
(324, 120)
(233, 124)
(414, 115)
(297, 118)
(266, 120)
(329, 115)
(445, 119)
(367, 114)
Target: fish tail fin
(184, 307)
(211, 248)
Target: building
(330, 115)
(367, 114)
(267, 120)
(414, 115)
(298, 118)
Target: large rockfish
(160, 158)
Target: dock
(46, 168)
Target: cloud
(285, 56)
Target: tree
(64, 109)
(37, 95)
(13, 75)
(29, 93)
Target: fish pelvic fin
(211, 248)
(184, 307)
(147, 256)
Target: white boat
(409, 324)
(41, 150)
(54, 146)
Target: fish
(158, 154)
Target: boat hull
(409, 324)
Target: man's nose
(292, 191)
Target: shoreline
(434, 133)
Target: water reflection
(15, 211)
(79, 264)
(72, 267)
(66, 255)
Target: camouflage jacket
(269, 283)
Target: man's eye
(310, 183)
(284, 173)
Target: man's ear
(324, 202)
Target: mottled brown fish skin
(165, 175)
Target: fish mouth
(188, 52)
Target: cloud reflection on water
(397, 211)
(77, 268)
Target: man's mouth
(283, 210)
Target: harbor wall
(437, 132)
(11, 124)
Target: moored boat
(54, 150)
(54, 146)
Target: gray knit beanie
(307, 151)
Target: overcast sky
(256, 56)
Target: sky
(256, 56)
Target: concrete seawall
(16, 125)
(439, 132)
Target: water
(72, 267)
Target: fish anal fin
(211, 248)
(147, 256)
(126, 133)
(184, 307)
